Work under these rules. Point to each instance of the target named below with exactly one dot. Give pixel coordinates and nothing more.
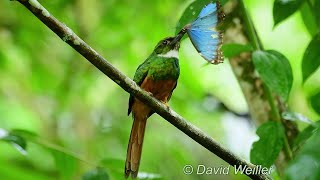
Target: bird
(158, 75)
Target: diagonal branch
(67, 35)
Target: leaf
(282, 9)
(311, 58)
(17, 141)
(18, 138)
(24, 133)
(307, 162)
(96, 174)
(265, 151)
(315, 102)
(65, 164)
(231, 50)
(275, 71)
(191, 13)
(293, 116)
(66, 161)
(308, 19)
(304, 135)
(316, 12)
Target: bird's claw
(149, 93)
(166, 104)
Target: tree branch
(67, 35)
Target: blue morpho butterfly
(204, 35)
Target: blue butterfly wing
(204, 36)
(207, 22)
(207, 17)
(204, 42)
(210, 8)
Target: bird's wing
(139, 76)
(169, 97)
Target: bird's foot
(166, 104)
(149, 93)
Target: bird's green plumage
(156, 68)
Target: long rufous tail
(135, 146)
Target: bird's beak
(177, 38)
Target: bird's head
(169, 44)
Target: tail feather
(135, 146)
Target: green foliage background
(47, 88)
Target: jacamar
(158, 75)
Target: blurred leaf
(96, 174)
(275, 71)
(316, 13)
(304, 135)
(66, 161)
(315, 102)
(231, 50)
(293, 116)
(65, 164)
(311, 58)
(19, 138)
(17, 141)
(24, 133)
(308, 19)
(282, 9)
(265, 151)
(191, 13)
(306, 164)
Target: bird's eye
(165, 42)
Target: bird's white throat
(170, 54)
